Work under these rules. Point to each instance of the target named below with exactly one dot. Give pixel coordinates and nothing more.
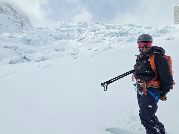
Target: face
(144, 46)
(144, 50)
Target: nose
(145, 47)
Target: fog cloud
(46, 13)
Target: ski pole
(105, 84)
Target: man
(147, 93)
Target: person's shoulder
(160, 58)
(158, 55)
(154, 50)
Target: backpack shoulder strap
(152, 63)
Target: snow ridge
(72, 41)
(11, 20)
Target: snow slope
(50, 79)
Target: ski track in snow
(50, 79)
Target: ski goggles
(145, 44)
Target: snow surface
(50, 79)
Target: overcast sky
(47, 13)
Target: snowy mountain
(50, 79)
(72, 41)
(11, 20)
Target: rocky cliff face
(176, 14)
(11, 20)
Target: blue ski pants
(147, 110)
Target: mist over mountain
(11, 20)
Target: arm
(165, 77)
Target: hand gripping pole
(105, 84)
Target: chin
(145, 52)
